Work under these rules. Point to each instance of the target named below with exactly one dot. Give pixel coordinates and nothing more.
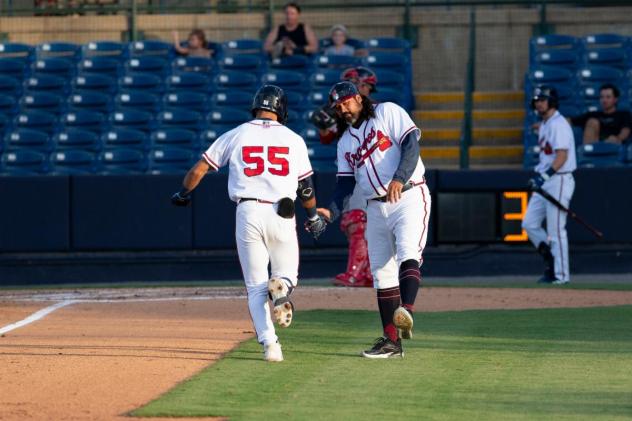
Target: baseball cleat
(561, 282)
(282, 306)
(546, 279)
(272, 352)
(384, 348)
(403, 320)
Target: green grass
(566, 364)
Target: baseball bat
(570, 213)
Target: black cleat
(385, 348)
(546, 279)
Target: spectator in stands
(609, 124)
(338, 47)
(292, 37)
(196, 44)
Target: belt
(245, 199)
(406, 187)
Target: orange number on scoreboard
(514, 216)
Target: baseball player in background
(379, 151)
(268, 168)
(554, 174)
(353, 219)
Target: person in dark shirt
(292, 37)
(609, 124)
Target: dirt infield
(107, 352)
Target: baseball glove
(315, 226)
(323, 118)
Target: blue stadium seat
(174, 137)
(319, 151)
(132, 119)
(46, 83)
(228, 116)
(324, 78)
(12, 67)
(337, 62)
(24, 162)
(65, 50)
(236, 98)
(43, 101)
(125, 138)
(235, 80)
(297, 126)
(94, 82)
(553, 41)
(171, 160)
(561, 58)
(390, 95)
(604, 40)
(142, 82)
(36, 120)
(599, 74)
(53, 66)
(389, 79)
(138, 100)
(73, 162)
(627, 154)
(188, 81)
(194, 101)
(569, 110)
(28, 139)
(390, 44)
(298, 63)
(90, 100)
(17, 50)
(358, 44)
(101, 65)
(589, 92)
(531, 156)
(5, 123)
(600, 154)
(148, 64)
(243, 62)
(286, 79)
(181, 118)
(112, 49)
(212, 133)
(122, 161)
(296, 101)
(10, 86)
(152, 48)
(549, 74)
(84, 119)
(310, 135)
(242, 46)
(384, 60)
(72, 138)
(8, 105)
(193, 64)
(318, 98)
(615, 57)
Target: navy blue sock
(409, 281)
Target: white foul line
(35, 316)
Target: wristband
(548, 174)
(311, 213)
(184, 192)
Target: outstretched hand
(325, 214)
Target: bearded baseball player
(268, 168)
(379, 151)
(554, 174)
(353, 219)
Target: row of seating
(594, 155)
(571, 52)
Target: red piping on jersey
(559, 234)
(375, 146)
(307, 174)
(426, 216)
(210, 161)
(406, 134)
(367, 171)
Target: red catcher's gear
(358, 273)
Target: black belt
(406, 187)
(245, 199)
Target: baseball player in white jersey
(379, 150)
(268, 168)
(554, 176)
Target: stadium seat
(599, 74)
(615, 57)
(244, 63)
(604, 41)
(553, 41)
(90, 100)
(194, 101)
(73, 162)
(384, 60)
(296, 101)
(8, 104)
(47, 83)
(358, 44)
(17, 50)
(242, 46)
(149, 65)
(73, 138)
(324, 78)
(390, 95)
(174, 137)
(589, 92)
(310, 134)
(193, 64)
(36, 120)
(138, 100)
(531, 156)
(228, 79)
(188, 81)
(10, 86)
(299, 63)
(627, 154)
(600, 154)
(53, 66)
(122, 161)
(286, 79)
(236, 98)
(43, 101)
(390, 44)
(212, 133)
(181, 118)
(318, 151)
(5, 123)
(13, 68)
(101, 65)
(142, 82)
(171, 160)
(337, 62)
(389, 79)
(568, 59)
(95, 82)
(125, 138)
(548, 74)
(112, 49)
(24, 162)
(152, 48)
(318, 98)
(228, 116)
(65, 50)
(132, 119)
(84, 119)
(28, 139)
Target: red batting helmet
(362, 75)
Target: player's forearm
(561, 155)
(408, 160)
(194, 176)
(305, 193)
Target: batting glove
(181, 198)
(536, 182)
(315, 226)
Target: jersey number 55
(276, 157)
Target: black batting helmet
(362, 75)
(341, 91)
(270, 98)
(545, 92)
